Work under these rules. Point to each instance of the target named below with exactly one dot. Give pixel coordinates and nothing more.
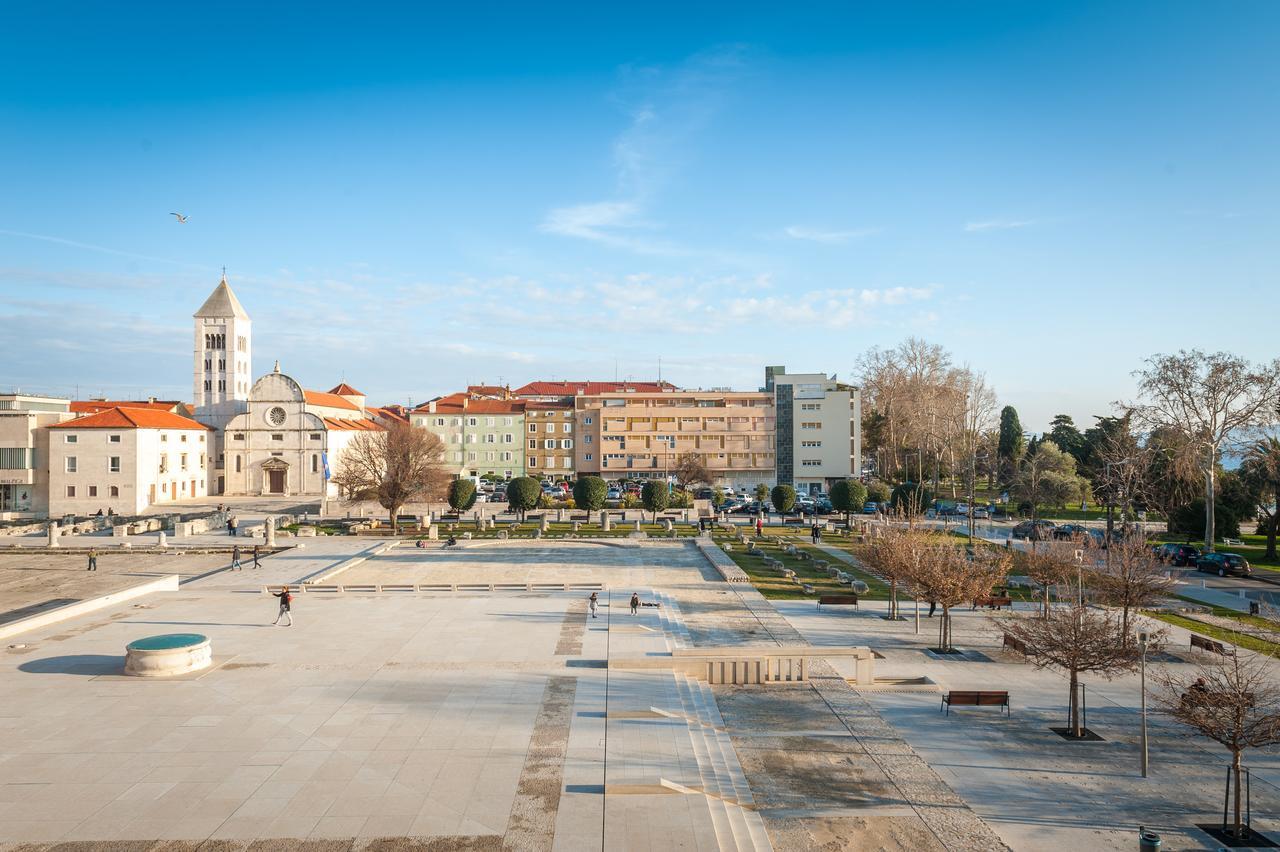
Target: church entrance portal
(276, 478)
(276, 471)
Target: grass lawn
(1222, 634)
(559, 530)
(772, 584)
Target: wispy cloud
(831, 237)
(998, 224)
(665, 107)
(102, 249)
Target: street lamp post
(1142, 644)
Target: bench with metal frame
(975, 698)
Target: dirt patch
(532, 823)
(572, 628)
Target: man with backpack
(285, 599)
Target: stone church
(272, 435)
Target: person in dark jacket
(255, 557)
(285, 600)
(235, 558)
(93, 559)
(635, 602)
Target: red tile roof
(131, 418)
(488, 390)
(329, 400)
(575, 388)
(345, 389)
(86, 406)
(343, 424)
(389, 412)
(564, 405)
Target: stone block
(433, 533)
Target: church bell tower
(223, 373)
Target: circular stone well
(168, 654)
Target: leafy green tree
(762, 492)
(783, 498)
(847, 496)
(1011, 444)
(1261, 470)
(1047, 477)
(523, 493)
(717, 498)
(462, 495)
(879, 492)
(655, 496)
(910, 499)
(1063, 432)
(590, 493)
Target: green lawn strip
(771, 583)
(561, 530)
(877, 589)
(1222, 634)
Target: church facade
(272, 436)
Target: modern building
(290, 440)
(480, 435)
(549, 438)
(24, 451)
(819, 428)
(124, 460)
(634, 434)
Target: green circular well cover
(167, 642)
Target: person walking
(285, 600)
(635, 603)
(759, 527)
(933, 605)
(815, 533)
(235, 558)
(255, 557)
(93, 559)
(231, 529)
(593, 602)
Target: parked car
(1034, 530)
(1177, 554)
(980, 513)
(613, 494)
(704, 494)
(1223, 564)
(823, 506)
(870, 507)
(1067, 532)
(481, 497)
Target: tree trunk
(1271, 530)
(1077, 730)
(1208, 504)
(893, 598)
(1046, 600)
(1235, 775)
(395, 513)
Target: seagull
(182, 220)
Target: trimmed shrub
(462, 495)
(590, 492)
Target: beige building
(819, 429)
(642, 435)
(550, 432)
(24, 451)
(126, 459)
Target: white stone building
(290, 440)
(126, 459)
(819, 429)
(223, 368)
(24, 451)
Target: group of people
(232, 523)
(594, 601)
(235, 558)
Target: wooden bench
(1232, 542)
(993, 602)
(1015, 644)
(838, 600)
(975, 698)
(1210, 645)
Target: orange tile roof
(454, 404)
(86, 406)
(390, 412)
(345, 389)
(488, 390)
(329, 400)
(342, 424)
(575, 388)
(564, 405)
(131, 418)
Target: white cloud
(819, 235)
(998, 224)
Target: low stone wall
(52, 616)
(726, 567)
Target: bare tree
(894, 554)
(1232, 700)
(1129, 576)
(690, 471)
(1050, 565)
(948, 576)
(1213, 400)
(1078, 641)
(400, 465)
(977, 415)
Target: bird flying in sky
(182, 220)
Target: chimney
(465, 400)
(431, 406)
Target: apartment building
(819, 428)
(549, 436)
(126, 459)
(480, 435)
(633, 434)
(24, 451)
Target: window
(182, 438)
(508, 438)
(164, 439)
(71, 491)
(222, 365)
(506, 421)
(237, 464)
(488, 421)
(242, 344)
(239, 436)
(587, 439)
(533, 427)
(113, 491)
(202, 437)
(471, 421)
(566, 428)
(549, 444)
(208, 386)
(586, 420)
(93, 491)
(315, 463)
(811, 443)
(222, 384)
(13, 458)
(113, 464)
(567, 443)
(164, 463)
(277, 436)
(491, 438)
(439, 421)
(587, 457)
(113, 439)
(811, 462)
(471, 456)
(533, 443)
(208, 364)
(810, 425)
(457, 421)
(315, 436)
(69, 439)
(471, 439)
(506, 456)
(533, 461)
(811, 406)
(182, 461)
(71, 464)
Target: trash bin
(1148, 841)
(1254, 608)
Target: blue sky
(412, 198)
